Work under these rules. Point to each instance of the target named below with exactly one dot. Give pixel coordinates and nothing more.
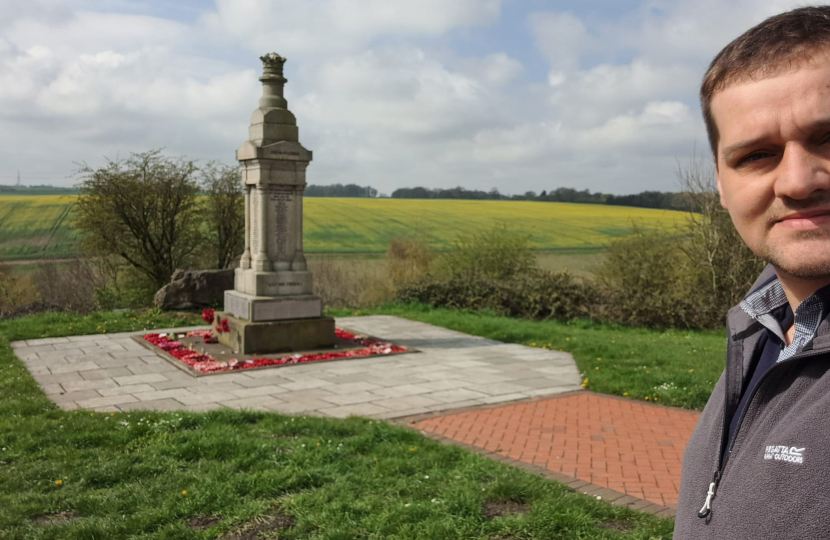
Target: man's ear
(720, 184)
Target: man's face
(773, 169)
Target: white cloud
(382, 92)
(340, 26)
(562, 38)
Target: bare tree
(143, 209)
(224, 211)
(727, 267)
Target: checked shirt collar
(808, 315)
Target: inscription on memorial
(281, 199)
(277, 309)
(285, 155)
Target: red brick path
(624, 445)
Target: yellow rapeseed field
(33, 226)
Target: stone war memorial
(272, 306)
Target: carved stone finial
(272, 82)
(272, 64)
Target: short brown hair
(780, 42)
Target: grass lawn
(670, 367)
(244, 475)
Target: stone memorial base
(247, 337)
(271, 308)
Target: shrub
(647, 280)
(224, 214)
(69, 285)
(539, 295)
(551, 295)
(726, 267)
(142, 209)
(407, 260)
(16, 289)
(495, 253)
(493, 270)
(347, 283)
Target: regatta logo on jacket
(790, 454)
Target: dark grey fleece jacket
(775, 481)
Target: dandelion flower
(184, 492)
(59, 481)
(625, 393)
(412, 448)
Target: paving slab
(451, 370)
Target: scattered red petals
(343, 334)
(205, 363)
(206, 335)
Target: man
(758, 461)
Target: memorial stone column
(272, 306)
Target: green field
(35, 227)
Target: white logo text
(790, 454)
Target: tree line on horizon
(664, 200)
(646, 199)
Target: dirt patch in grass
(615, 525)
(53, 518)
(200, 523)
(494, 509)
(259, 528)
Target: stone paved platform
(111, 372)
(620, 449)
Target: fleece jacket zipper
(726, 449)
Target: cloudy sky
(514, 94)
